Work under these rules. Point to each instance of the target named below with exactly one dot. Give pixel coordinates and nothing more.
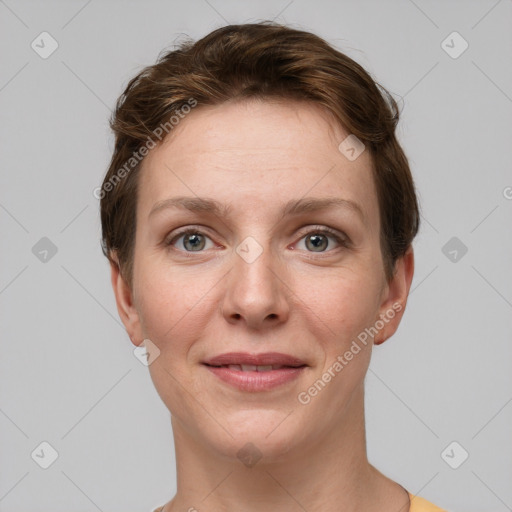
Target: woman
(258, 215)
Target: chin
(266, 435)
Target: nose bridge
(253, 265)
(255, 291)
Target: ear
(125, 305)
(394, 297)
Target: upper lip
(264, 359)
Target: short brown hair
(260, 60)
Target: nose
(257, 293)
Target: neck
(329, 473)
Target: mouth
(255, 372)
(253, 367)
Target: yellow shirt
(417, 505)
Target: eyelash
(343, 241)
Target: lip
(265, 358)
(289, 369)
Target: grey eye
(194, 241)
(317, 242)
(191, 241)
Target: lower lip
(256, 381)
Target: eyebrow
(292, 207)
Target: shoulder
(419, 504)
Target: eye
(193, 240)
(317, 240)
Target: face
(275, 268)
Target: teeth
(267, 368)
(254, 368)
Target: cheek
(171, 304)
(339, 306)
(172, 313)
(158, 305)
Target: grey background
(67, 369)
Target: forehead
(255, 129)
(265, 151)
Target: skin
(255, 156)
